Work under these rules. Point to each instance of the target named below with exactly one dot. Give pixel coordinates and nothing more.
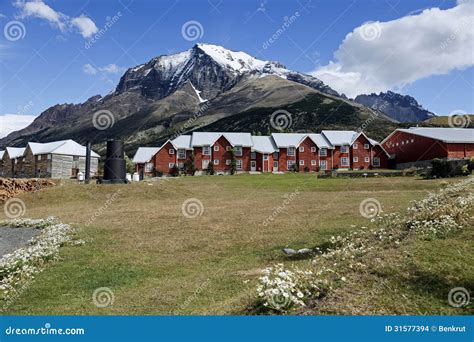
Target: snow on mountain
(211, 68)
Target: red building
(280, 152)
(354, 150)
(420, 144)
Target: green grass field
(157, 261)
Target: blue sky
(53, 60)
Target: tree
(190, 166)
(210, 168)
(233, 163)
(129, 164)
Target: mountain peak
(211, 68)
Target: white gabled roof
(448, 135)
(183, 141)
(263, 144)
(339, 138)
(209, 138)
(1, 154)
(63, 147)
(15, 152)
(295, 139)
(288, 139)
(320, 140)
(144, 154)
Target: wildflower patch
(18, 268)
(442, 213)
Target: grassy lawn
(157, 261)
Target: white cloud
(384, 56)
(110, 69)
(89, 69)
(13, 122)
(38, 9)
(85, 25)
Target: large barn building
(419, 145)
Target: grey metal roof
(183, 141)
(295, 139)
(263, 144)
(320, 140)
(144, 154)
(209, 138)
(15, 152)
(339, 138)
(449, 135)
(288, 139)
(63, 147)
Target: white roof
(295, 139)
(339, 138)
(320, 140)
(183, 141)
(449, 135)
(288, 139)
(263, 144)
(209, 138)
(1, 154)
(64, 147)
(15, 152)
(144, 154)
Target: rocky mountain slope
(402, 108)
(208, 87)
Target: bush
(442, 168)
(157, 173)
(210, 169)
(306, 169)
(189, 166)
(174, 171)
(470, 165)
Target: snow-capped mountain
(211, 69)
(206, 87)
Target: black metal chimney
(88, 162)
(114, 166)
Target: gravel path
(14, 238)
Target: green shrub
(210, 168)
